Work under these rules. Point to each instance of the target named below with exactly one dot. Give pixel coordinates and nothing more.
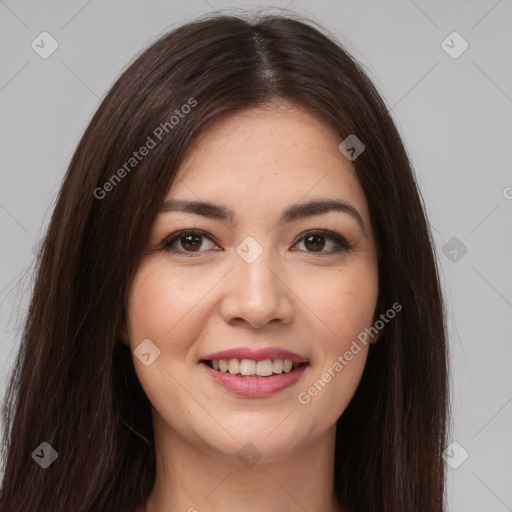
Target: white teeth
(264, 368)
(234, 366)
(245, 367)
(278, 366)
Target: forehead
(275, 153)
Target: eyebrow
(290, 214)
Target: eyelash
(168, 242)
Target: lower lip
(255, 387)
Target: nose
(256, 293)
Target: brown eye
(314, 242)
(191, 242)
(187, 242)
(317, 241)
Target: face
(256, 277)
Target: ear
(123, 334)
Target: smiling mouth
(252, 368)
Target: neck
(194, 477)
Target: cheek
(345, 302)
(162, 308)
(161, 300)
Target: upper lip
(258, 354)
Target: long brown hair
(74, 385)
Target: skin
(313, 303)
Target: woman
(237, 301)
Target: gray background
(454, 115)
